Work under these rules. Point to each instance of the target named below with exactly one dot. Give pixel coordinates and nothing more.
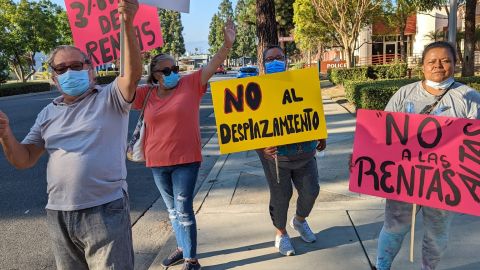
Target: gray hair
(155, 60)
(66, 48)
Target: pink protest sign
(95, 28)
(424, 159)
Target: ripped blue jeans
(397, 223)
(176, 185)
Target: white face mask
(440, 85)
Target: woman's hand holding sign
(322, 144)
(270, 152)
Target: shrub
(470, 81)
(374, 94)
(351, 91)
(373, 99)
(364, 73)
(392, 71)
(329, 74)
(106, 79)
(340, 75)
(417, 72)
(11, 89)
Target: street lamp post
(452, 22)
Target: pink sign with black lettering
(424, 159)
(95, 28)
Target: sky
(195, 24)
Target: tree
(468, 65)
(225, 10)
(311, 34)
(172, 28)
(217, 24)
(245, 21)
(64, 30)
(284, 16)
(285, 25)
(215, 36)
(25, 33)
(347, 17)
(266, 28)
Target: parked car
(221, 70)
(247, 71)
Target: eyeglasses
(273, 58)
(62, 68)
(168, 70)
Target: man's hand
(322, 144)
(4, 125)
(128, 9)
(21, 156)
(229, 34)
(270, 152)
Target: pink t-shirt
(172, 123)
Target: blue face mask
(275, 66)
(171, 80)
(74, 83)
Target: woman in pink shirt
(172, 141)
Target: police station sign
(325, 65)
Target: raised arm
(229, 34)
(133, 60)
(22, 156)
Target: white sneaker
(305, 232)
(284, 245)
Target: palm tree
(435, 35)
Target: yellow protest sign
(269, 110)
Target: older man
(84, 132)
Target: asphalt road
(24, 240)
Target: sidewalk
(235, 230)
